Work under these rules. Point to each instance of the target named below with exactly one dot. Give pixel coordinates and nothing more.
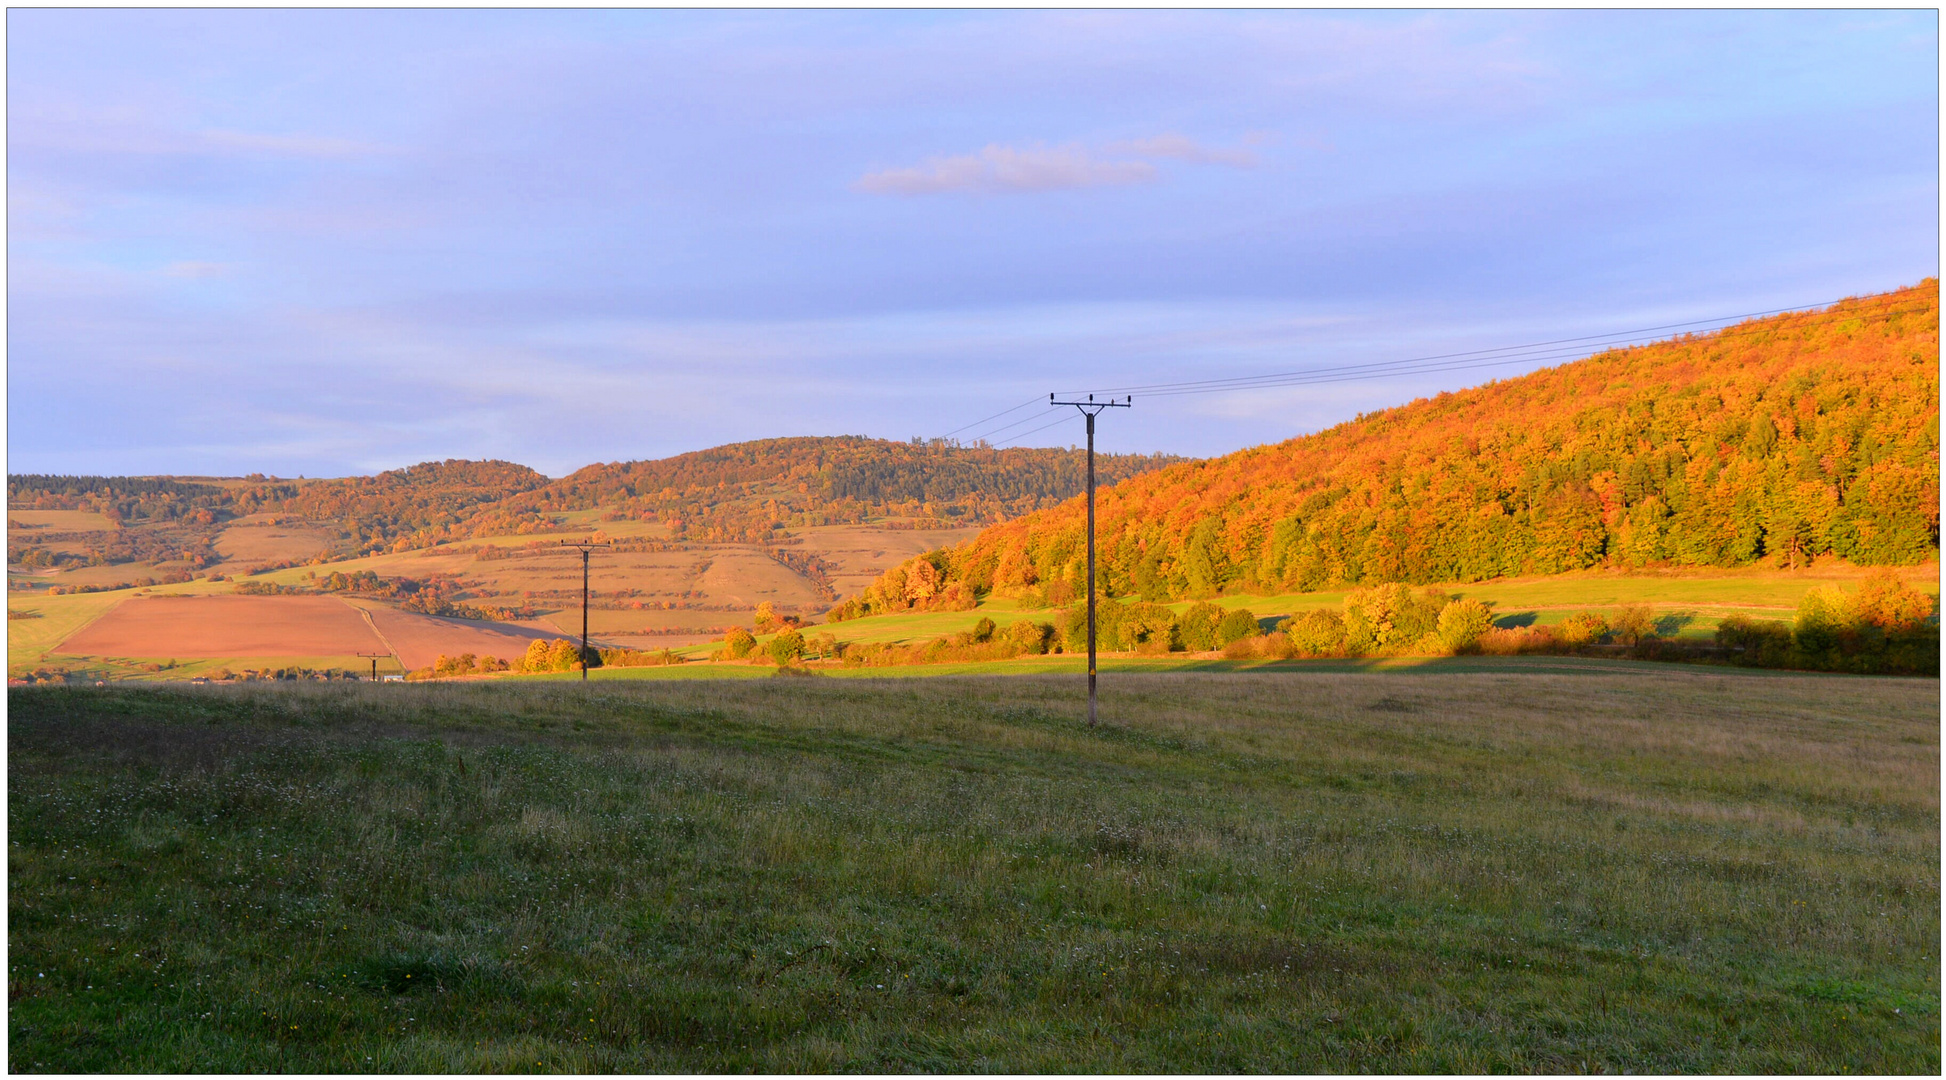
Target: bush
(1197, 628)
(785, 647)
(1388, 618)
(1242, 648)
(1583, 628)
(1236, 625)
(1316, 633)
(1633, 623)
(1030, 637)
(1462, 623)
(738, 643)
(1760, 642)
(1149, 627)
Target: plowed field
(418, 640)
(225, 626)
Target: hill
(751, 491)
(700, 541)
(1784, 439)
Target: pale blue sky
(326, 242)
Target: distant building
(391, 678)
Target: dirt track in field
(214, 627)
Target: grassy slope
(1698, 599)
(1691, 872)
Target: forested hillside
(1787, 438)
(747, 491)
(743, 493)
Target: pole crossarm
(1091, 409)
(587, 548)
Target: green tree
(1632, 623)
(1197, 627)
(1318, 632)
(785, 647)
(1235, 626)
(1462, 623)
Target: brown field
(862, 552)
(60, 520)
(225, 626)
(259, 543)
(418, 640)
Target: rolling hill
(699, 542)
(1785, 439)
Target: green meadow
(1689, 604)
(1537, 865)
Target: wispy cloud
(1184, 148)
(999, 168)
(1004, 168)
(190, 268)
(293, 145)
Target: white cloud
(1002, 168)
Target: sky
(329, 242)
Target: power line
(1015, 424)
(1024, 434)
(995, 416)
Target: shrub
(1633, 623)
(1320, 632)
(1236, 625)
(1275, 647)
(738, 643)
(1029, 636)
(984, 629)
(1197, 627)
(1583, 628)
(1149, 628)
(1389, 618)
(785, 647)
(1761, 642)
(1462, 623)
(1242, 648)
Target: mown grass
(1670, 871)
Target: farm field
(59, 520)
(208, 627)
(1675, 870)
(718, 586)
(417, 640)
(1689, 605)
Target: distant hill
(749, 491)
(1786, 438)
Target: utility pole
(1092, 408)
(373, 657)
(586, 547)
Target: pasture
(1537, 868)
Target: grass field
(1691, 602)
(1662, 870)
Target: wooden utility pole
(586, 547)
(1092, 408)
